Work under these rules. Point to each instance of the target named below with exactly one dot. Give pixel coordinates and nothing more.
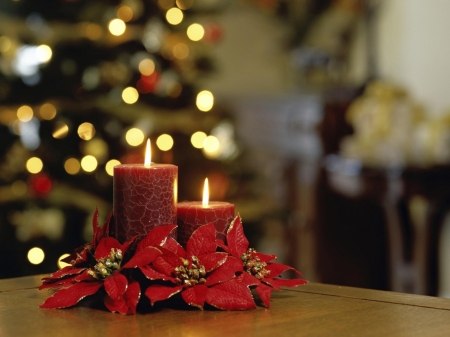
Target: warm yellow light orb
(86, 131)
(174, 16)
(62, 264)
(61, 130)
(36, 255)
(47, 111)
(164, 142)
(44, 53)
(146, 67)
(205, 100)
(34, 165)
(195, 32)
(134, 137)
(109, 168)
(72, 166)
(211, 144)
(130, 95)
(197, 139)
(89, 163)
(24, 113)
(125, 13)
(117, 27)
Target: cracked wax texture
(191, 215)
(144, 197)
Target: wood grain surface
(311, 310)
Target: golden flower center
(190, 275)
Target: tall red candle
(193, 214)
(145, 196)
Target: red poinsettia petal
(248, 280)
(84, 277)
(156, 237)
(62, 283)
(231, 295)
(278, 268)
(195, 296)
(142, 257)
(127, 303)
(158, 292)
(173, 246)
(279, 282)
(202, 241)
(127, 244)
(104, 247)
(79, 255)
(225, 272)
(116, 285)
(166, 263)
(152, 274)
(264, 292)
(265, 257)
(67, 297)
(64, 272)
(212, 261)
(236, 240)
(222, 245)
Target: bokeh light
(166, 4)
(34, 165)
(130, 95)
(61, 130)
(146, 67)
(89, 163)
(5, 44)
(35, 255)
(117, 27)
(134, 137)
(205, 100)
(124, 13)
(180, 51)
(19, 188)
(109, 168)
(43, 184)
(47, 111)
(43, 53)
(98, 148)
(164, 142)
(185, 4)
(62, 264)
(197, 139)
(93, 31)
(174, 16)
(86, 131)
(195, 32)
(24, 113)
(72, 166)
(211, 144)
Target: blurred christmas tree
(82, 84)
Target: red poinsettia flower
(96, 265)
(258, 268)
(199, 273)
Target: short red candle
(145, 196)
(191, 215)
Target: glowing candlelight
(205, 194)
(148, 154)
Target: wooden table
(312, 310)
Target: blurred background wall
(325, 122)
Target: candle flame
(148, 154)
(205, 193)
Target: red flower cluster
(207, 271)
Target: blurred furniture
(414, 202)
(312, 310)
